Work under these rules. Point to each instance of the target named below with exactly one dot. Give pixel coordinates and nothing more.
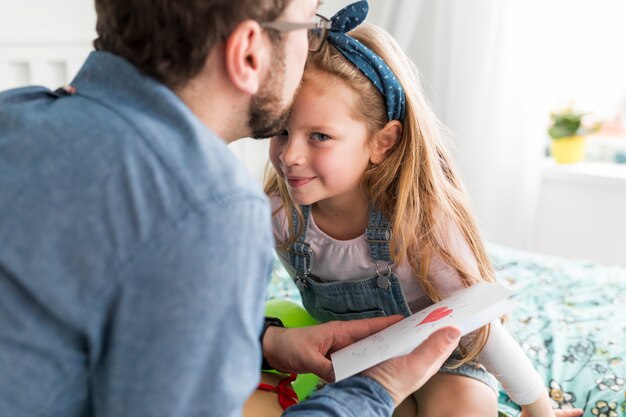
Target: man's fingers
(437, 348)
(354, 330)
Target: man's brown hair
(171, 39)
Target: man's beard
(266, 115)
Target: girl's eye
(320, 137)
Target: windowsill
(592, 173)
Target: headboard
(47, 65)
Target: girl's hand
(541, 408)
(574, 412)
(569, 413)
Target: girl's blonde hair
(416, 186)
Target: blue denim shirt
(134, 255)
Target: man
(135, 250)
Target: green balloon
(294, 315)
(289, 312)
(305, 384)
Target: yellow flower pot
(568, 150)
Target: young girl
(371, 218)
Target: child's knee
(449, 394)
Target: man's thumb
(324, 369)
(440, 345)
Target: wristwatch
(269, 321)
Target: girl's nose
(293, 152)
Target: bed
(570, 318)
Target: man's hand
(307, 349)
(406, 374)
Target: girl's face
(324, 150)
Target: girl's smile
(296, 182)
(324, 149)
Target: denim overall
(377, 296)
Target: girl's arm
(506, 360)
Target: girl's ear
(246, 56)
(384, 140)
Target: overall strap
(300, 252)
(378, 237)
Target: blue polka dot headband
(365, 59)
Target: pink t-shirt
(335, 260)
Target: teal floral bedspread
(570, 319)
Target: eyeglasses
(317, 31)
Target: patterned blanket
(570, 319)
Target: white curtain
(494, 69)
(472, 59)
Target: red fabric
(286, 395)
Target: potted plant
(568, 135)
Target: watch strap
(269, 321)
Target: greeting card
(468, 309)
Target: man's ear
(247, 55)
(384, 140)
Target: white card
(468, 309)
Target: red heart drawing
(436, 314)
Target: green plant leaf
(565, 124)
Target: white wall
(44, 42)
(581, 212)
(40, 22)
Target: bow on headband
(370, 64)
